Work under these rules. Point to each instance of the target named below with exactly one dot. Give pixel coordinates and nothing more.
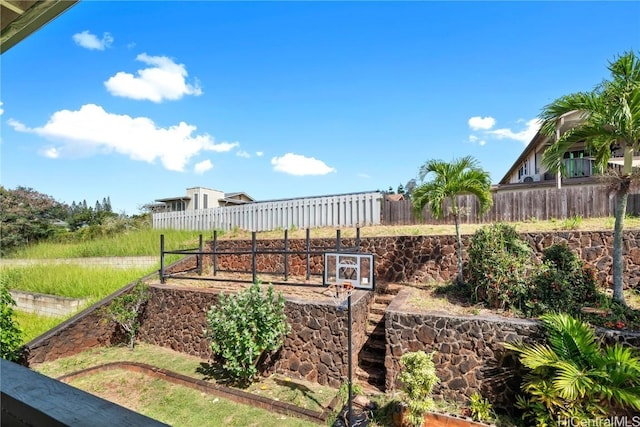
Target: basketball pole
(350, 370)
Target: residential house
(198, 198)
(579, 165)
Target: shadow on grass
(215, 372)
(296, 387)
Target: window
(195, 201)
(524, 170)
(205, 201)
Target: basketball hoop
(340, 292)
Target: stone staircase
(370, 373)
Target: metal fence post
(162, 259)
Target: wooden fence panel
(521, 204)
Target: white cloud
(259, 153)
(473, 138)
(92, 130)
(1, 109)
(482, 142)
(295, 164)
(92, 42)
(243, 154)
(162, 80)
(524, 136)
(481, 123)
(203, 166)
(51, 152)
(364, 175)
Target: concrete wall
(46, 305)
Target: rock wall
(420, 259)
(468, 350)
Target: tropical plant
(499, 265)
(244, 328)
(126, 310)
(10, 333)
(610, 120)
(481, 408)
(572, 376)
(418, 377)
(461, 176)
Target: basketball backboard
(355, 269)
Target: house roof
(567, 121)
(171, 199)
(238, 194)
(21, 18)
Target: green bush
(562, 284)
(481, 408)
(244, 327)
(499, 264)
(418, 377)
(10, 333)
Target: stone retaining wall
(420, 259)
(175, 317)
(469, 352)
(315, 349)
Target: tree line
(29, 216)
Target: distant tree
(461, 176)
(26, 217)
(400, 189)
(409, 188)
(390, 190)
(610, 118)
(106, 204)
(98, 207)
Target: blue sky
(140, 100)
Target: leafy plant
(244, 327)
(499, 264)
(572, 223)
(10, 333)
(572, 376)
(418, 377)
(126, 310)
(562, 284)
(481, 408)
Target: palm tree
(461, 176)
(573, 376)
(610, 119)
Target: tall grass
(144, 242)
(69, 280)
(33, 325)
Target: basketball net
(340, 292)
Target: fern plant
(572, 376)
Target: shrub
(126, 310)
(481, 408)
(562, 284)
(573, 377)
(244, 327)
(10, 333)
(499, 262)
(418, 377)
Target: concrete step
(378, 309)
(375, 318)
(375, 344)
(371, 358)
(376, 330)
(374, 377)
(384, 299)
